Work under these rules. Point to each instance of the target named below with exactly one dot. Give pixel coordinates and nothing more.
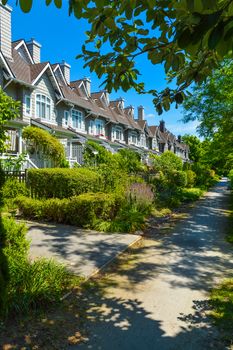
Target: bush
(191, 178)
(82, 210)
(12, 188)
(45, 145)
(230, 176)
(29, 285)
(191, 194)
(62, 183)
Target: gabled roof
(19, 67)
(37, 71)
(56, 67)
(153, 130)
(18, 44)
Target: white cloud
(150, 115)
(181, 128)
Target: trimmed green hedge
(62, 183)
(82, 210)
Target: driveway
(158, 301)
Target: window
(43, 107)
(66, 118)
(77, 119)
(118, 133)
(91, 127)
(134, 137)
(27, 105)
(99, 124)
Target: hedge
(82, 210)
(62, 183)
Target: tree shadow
(91, 319)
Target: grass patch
(221, 300)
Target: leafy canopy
(188, 37)
(212, 105)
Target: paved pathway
(158, 300)
(82, 251)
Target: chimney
(5, 30)
(179, 138)
(162, 125)
(34, 49)
(87, 83)
(65, 67)
(121, 103)
(130, 111)
(141, 114)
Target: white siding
(44, 87)
(5, 30)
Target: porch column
(20, 141)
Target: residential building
(69, 109)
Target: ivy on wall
(44, 145)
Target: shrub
(230, 176)
(141, 193)
(167, 162)
(62, 183)
(29, 285)
(191, 178)
(12, 188)
(191, 194)
(82, 210)
(44, 144)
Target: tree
(189, 37)
(212, 104)
(194, 144)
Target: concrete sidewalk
(84, 252)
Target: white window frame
(91, 127)
(99, 127)
(47, 102)
(134, 135)
(26, 98)
(66, 118)
(119, 130)
(79, 119)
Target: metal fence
(20, 175)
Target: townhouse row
(69, 109)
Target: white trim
(41, 118)
(6, 65)
(22, 42)
(63, 77)
(79, 86)
(42, 72)
(25, 104)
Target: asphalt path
(159, 299)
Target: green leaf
(215, 36)
(48, 2)
(25, 5)
(58, 3)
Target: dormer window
(43, 107)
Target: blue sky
(61, 37)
